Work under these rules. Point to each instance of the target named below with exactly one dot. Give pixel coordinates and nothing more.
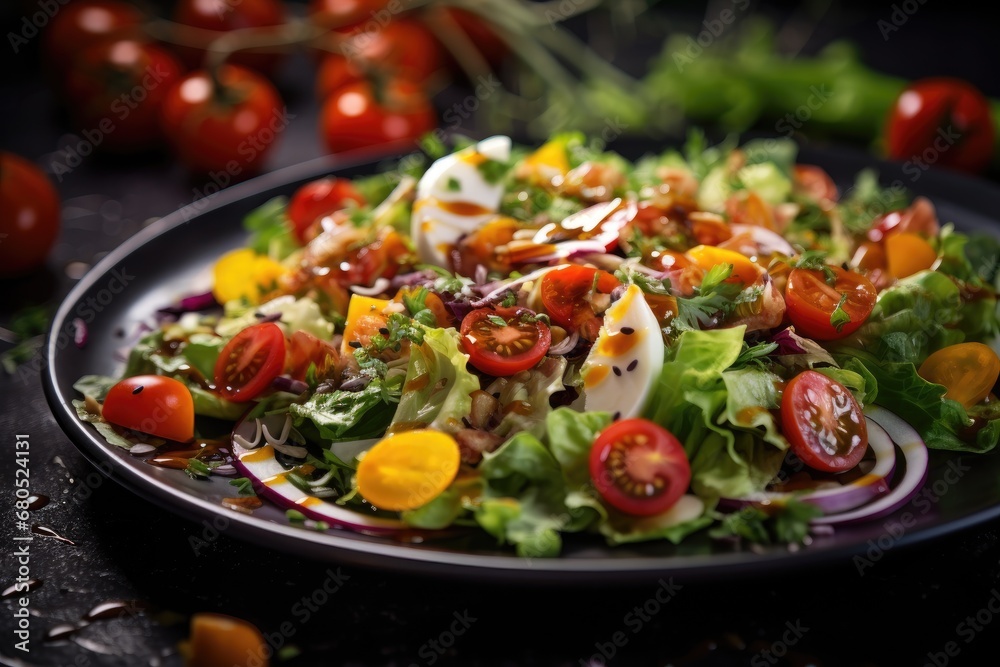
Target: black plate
(170, 257)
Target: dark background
(901, 612)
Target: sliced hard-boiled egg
(626, 359)
(454, 198)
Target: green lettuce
(438, 384)
(346, 415)
(731, 440)
(913, 318)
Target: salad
(532, 342)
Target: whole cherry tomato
(354, 117)
(83, 24)
(29, 215)
(944, 122)
(229, 125)
(401, 47)
(225, 15)
(116, 88)
(153, 404)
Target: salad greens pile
(582, 343)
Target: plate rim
(397, 558)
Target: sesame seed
(356, 344)
(615, 417)
(384, 331)
(137, 389)
(617, 371)
(628, 331)
(631, 366)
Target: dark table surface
(913, 606)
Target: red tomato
(402, 48)
(382, 258)
(815, 183)
(116, 89)
(229, 128)
(343, 14)
(249, 362)
(568, 296)
(29, 215)
(353, 118)
(639, 467)
(823, 422)
(153, 404)
(222, 16)
(504, 349)
(314, 200)
(83, 24)
(335, 72)
(944, 122)
(306, 350)
(811, 302)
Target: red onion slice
(270, 480)
(914, 453)
(769, 242)
(834, 500)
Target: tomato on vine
(116, 89)
(29, 215)
(358, 116)
(228, 125)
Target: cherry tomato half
(941, 121)
(221, 16)
(639, 467)
(569, 295)
(823, 422)
(153, 404)
(29, 215)
(305, 350)
(83, 24)
(318, 198)
(811, 301)
(967, 370)
(504, 341)
(228, 129)
(116, 88)
(354, 117)
(249, 362)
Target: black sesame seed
(384, 331)
(137, 389)
(628, 331)
(356, 344)
(631, 366)
(615, 417)
(617, 371)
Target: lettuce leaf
(731, 441)
(345, 415)
(439, 384)
(941, 422)
(912, 319)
